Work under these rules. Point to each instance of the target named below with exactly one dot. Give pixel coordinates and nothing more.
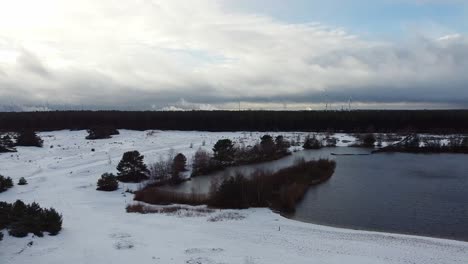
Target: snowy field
(97, 230)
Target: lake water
(393, 192)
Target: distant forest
(420, 121)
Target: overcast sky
(213, 54)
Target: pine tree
(178, 166)
(6, 144)
(5, 183)
(32, 219)
(21, 219)
(18, 209)
(223, 150)
(51, 221)
(132, 168)
(5, 218)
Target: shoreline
(375, 231)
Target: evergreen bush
(107, 182)
(22, 181)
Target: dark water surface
(400, 193)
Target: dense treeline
(434, 121)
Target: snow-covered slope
(98, 230)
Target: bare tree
(160, 170)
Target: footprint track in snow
(203, 250)
(123, 240)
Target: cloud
(149, 54)
(183, 105)
(29, 62)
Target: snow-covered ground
(96, 228)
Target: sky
(230, 54)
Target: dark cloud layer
(150, 55)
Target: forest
(417, 121)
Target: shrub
(412, 141)
(160, 171)
(154, 195)
(22, 181)
(101, 133)
(21, 219)
(136, 208)
(201, 163)
(430, 144)
(280, 190)
(18, 229)
(5, 183)
(331, 141)
(168, 210)
(107, 182)
(29, 138)
(131, 168)
(464, 142)
(312, 143)
(230, 193)
(226, 216)
(282, 145)
(368, 140)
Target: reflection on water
(402, 193)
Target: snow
(97, 229)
